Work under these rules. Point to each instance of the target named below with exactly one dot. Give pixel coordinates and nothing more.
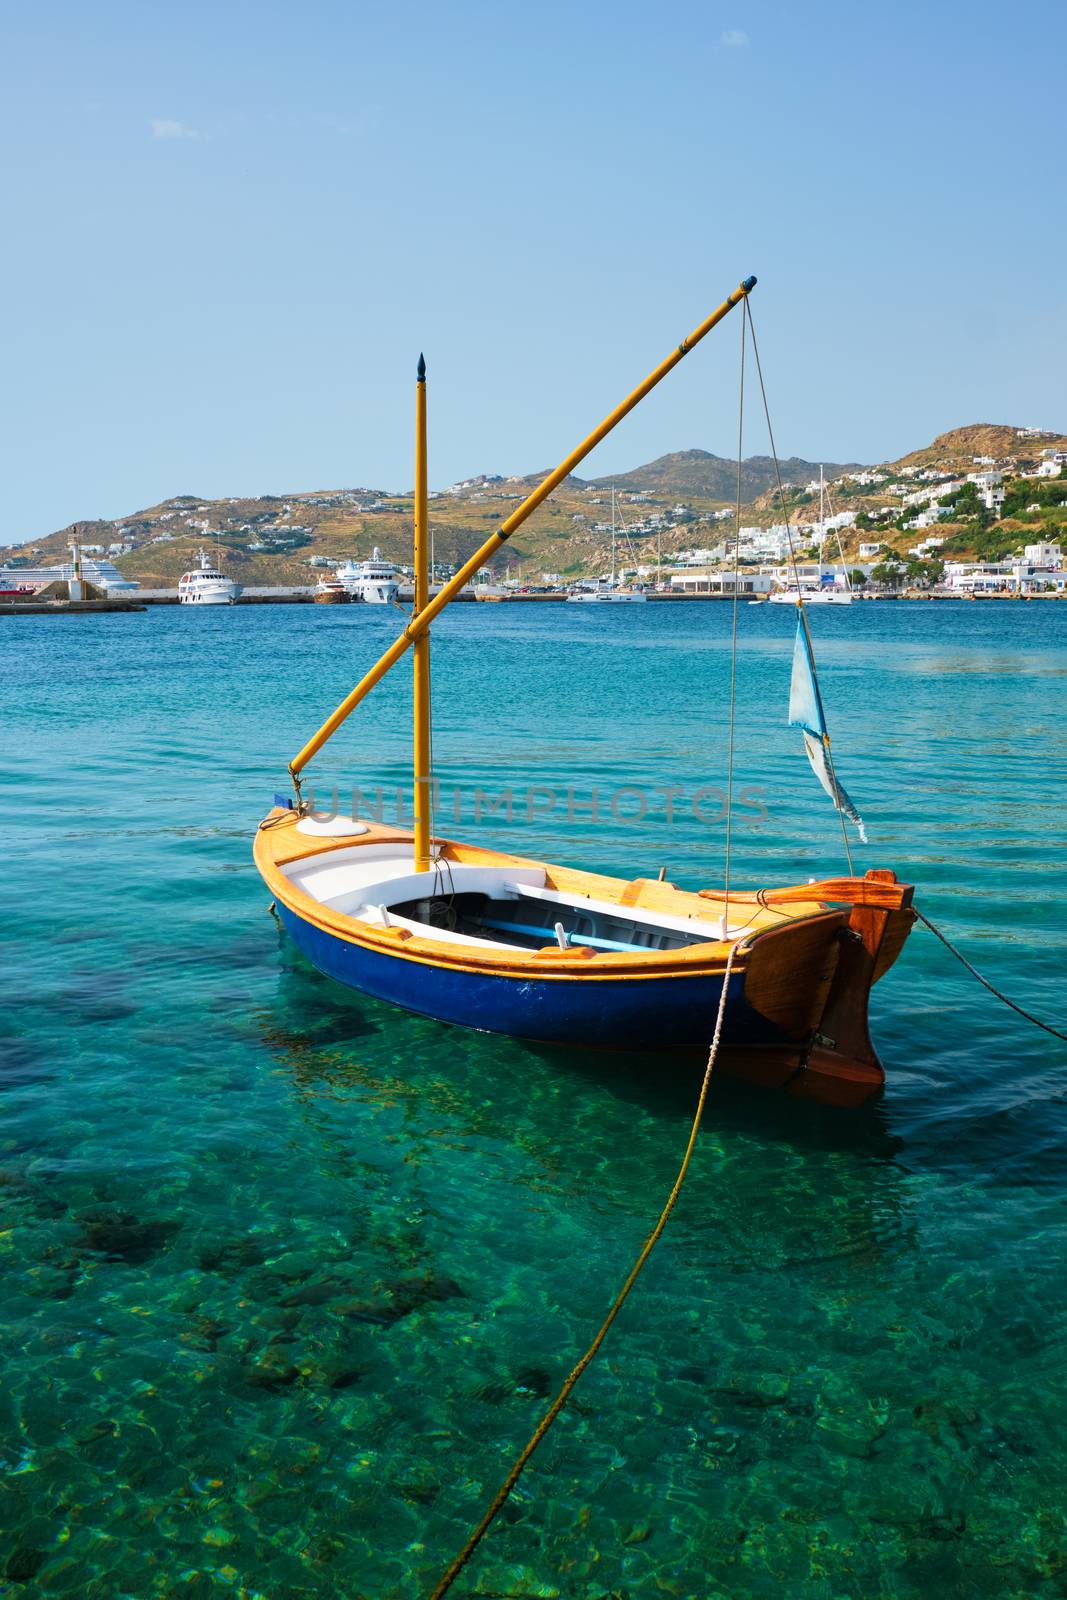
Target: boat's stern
(812, 977)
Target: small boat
(376, 581)
(524, 947)
(607, 596)
(330, 591)
(810, 595)
(607, 591)
(206, 585)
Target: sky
(231, 228)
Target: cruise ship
(94, 569)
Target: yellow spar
(424, 616)
(422, 643)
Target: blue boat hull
(675, 1013)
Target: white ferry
(206, 585)
(376, 581)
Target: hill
(697, 472)
(1003, 443)
(681, 501)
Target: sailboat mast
(421, 648)
(613, 536)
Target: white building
(700, 558)
(869, 552)
(710, 581)
(922, 497)
(1003, 577)
(928, 517)
(1049, 556)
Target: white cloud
(168, 128)
(734, 38)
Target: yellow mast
(421, 621)
(422, 642)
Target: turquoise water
(287, 1275)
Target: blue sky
(232, 227)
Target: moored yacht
(816, 595)
(815, 592)
(375, 581)
(206, 585)
(330, 591)
(604, 594)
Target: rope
(1055, 1032)
(733, 635)
(562, 1397)
(796, 577)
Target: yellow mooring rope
(563, 1396)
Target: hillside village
(965, 510)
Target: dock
(65, 608)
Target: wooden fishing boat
(547, 953)
(637, 965)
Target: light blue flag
(806, 713)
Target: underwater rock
(638, 1533)
(422, 1487)
(232, 1256)
(345, 1380)
(96, 1433)
(401, 1297)
(317, 1294)
(513, 1583)
(293, 1265)
(769, 1390)
(273, 1371)
(120, 1236)
(23, 1564)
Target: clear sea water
(286, 1275)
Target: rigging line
(925, 920)
(733, 639)
(796, 579)
(460, 1561)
